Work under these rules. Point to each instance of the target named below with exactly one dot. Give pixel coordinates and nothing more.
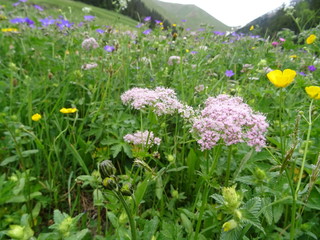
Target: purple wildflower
(183, 20)
(229, 119)
(146, 32)
(302, 74)
(22, 20)
(145, 138)
(38, 7)
(109, 48)
(63, 23)
(23, 1)
(157, 21)
(100, 31)
(275, 44)
(139, 25)
(193, 52)
(229, 73)
(15, 4)
(312, 68)
(147, 19)
(89, 18)
(89, 43)
(47, 21)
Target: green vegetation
(114, 132)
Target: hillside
(193, 15)
(74, 11)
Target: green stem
(228, 166)
(203, 205)
(294, 205)
(129, 214)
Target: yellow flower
(313, 92)
(281, 79)
(227, 226)
(251, 28)
(9, 30)
(311, 39)
(293, 56)
(36, 117)
(68, 110)
(161, 23)
(174, 25)
(187, 50)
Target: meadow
(112, 130)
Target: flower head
(174, 60)
(89, 18)
(227, 226)
(313, 92)
(146, 32)
(312, 68)
(89, 43)
(145, 138)
(147, 19)
(36, 117)
(281, 79)
(251, 28)
(228, 119)
(109, 48)
(311, 39)
(229, 73)
(38, 7)
(68, 110)
(9, 30)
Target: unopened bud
(107, 169)
(227, 226)
(109, 183)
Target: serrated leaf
(253, 205)
(246, 179)
(116, 149)
(58, 216)
(218, 198)
(113, 219)
(233, 234)
(127, 150)
(267, 210)
(277, 212)
(249, 217)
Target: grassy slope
(103, 17)
(176, 12)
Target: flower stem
(228, 166)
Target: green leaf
(248, 217)
(29, 152)
(186, 223)
(98, 198)
(58, 217)
(113, 219)
(159, 187)
(79, 235)
(218, 198)
(253, 205)
(150, 227)
(116, 149)
(267, 210)
(141, 189)
(9, 160)
(277, 212)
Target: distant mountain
(194, 16)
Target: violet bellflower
(229, 119)
(229, 73)
(312, 68)
(109, 48)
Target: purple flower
(38, 7)
(157, 21)
(147, 19)
(146, 32)
(62, 23)
(275, 44)
(229, 119)
(183, 20)
(22, 20)
(89, 18)
(139, 25)
(312, 68)
(47, 21)
(100, 31)
(23, 1)
(302, 74)
(219, 33)
(193, 52)
(15, 4)
(229, 73)
(109, 48)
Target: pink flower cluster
(89, 43)
(161, 100)
(229, 119)
(145, 138)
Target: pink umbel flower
(231, 120)
(161, 100)
(145, 138)
(89, 43)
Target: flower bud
(126, 189)
(231, 197)
(237, 214)
(227, 226)
(65, 226)
(107, 169)
(260, 174)
(110, 183)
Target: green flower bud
(170, 158)
(126, 189)
(110, 183)
(260, 174)
(231, 197)
(65, 226)
(227, 226)
(107, 169)
(16, 232)
(175, 194)
(237, 214)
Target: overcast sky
(234, 12)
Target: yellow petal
(274, 77)
(281, 79)
(313, 92)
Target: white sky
(234, 12)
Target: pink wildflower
(88, 66)
(229, 119)
(161, 100)
(89, 43)
(145, 138)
